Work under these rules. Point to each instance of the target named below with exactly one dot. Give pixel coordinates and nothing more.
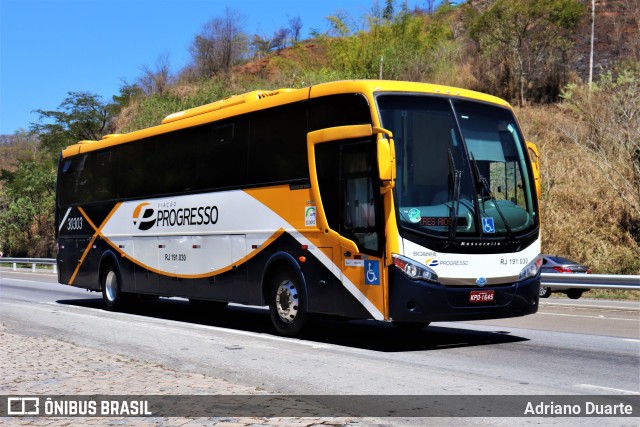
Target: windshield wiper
(481, 182)
(456, 176)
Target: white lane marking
(606, 389)
(25, 272)
(588, 317)
(587, 307)
(36, 282)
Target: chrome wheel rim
(287, 301)
(111, 286)
(543, 291)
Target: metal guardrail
(32, 261)
(591, 281)
(553, 280)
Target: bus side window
(277, 145)
(136, 169)
(104, 185)
(221, 160)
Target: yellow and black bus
(394, 201)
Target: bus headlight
(414, 270)
(532, 269)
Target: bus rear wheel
(287, 304)
(112, 294)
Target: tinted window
(327, 160)
(136, 177)
(258, 148)
(278, 145)
(221, 154)
(174, 161)
(66, 177)
(338, 110)
(105, 166)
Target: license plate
(481, 296)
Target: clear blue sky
(51, 47)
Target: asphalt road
(582, 347)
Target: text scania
(203, 215)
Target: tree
(155, 81)
(27, 210)
(81, 116)
(387, 12)
(295, 27)
(526, 39)
(406, 44)
(261, 45)
(219, 46)
(28, 189)
(128, 92)
(21, 146)
(280, 37)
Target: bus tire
(112, 295)
(287, 307)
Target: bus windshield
(461, 167)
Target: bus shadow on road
(363, 334)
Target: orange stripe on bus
(93, 239)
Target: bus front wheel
(287, 304)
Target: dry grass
(610, 294)
(582, 218)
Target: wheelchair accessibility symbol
(488, 225)
(371, 272)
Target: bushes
(590, 157)
(146, 112)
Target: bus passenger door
(345, 186)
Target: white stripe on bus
(64, 219)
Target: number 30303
(74, 223)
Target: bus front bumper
(418, 301)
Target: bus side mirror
(386, 154)
(534, 156)
(386, 162)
